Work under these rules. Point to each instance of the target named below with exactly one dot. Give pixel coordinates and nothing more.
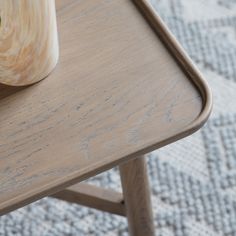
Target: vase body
(28, 41)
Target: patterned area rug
(194, 180)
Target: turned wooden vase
(28, 41)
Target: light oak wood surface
(92, 196)
(28, 41)
(116, 93)
(137, 196)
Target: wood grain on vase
(28, 41)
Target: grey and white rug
(194, 180)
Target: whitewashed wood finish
(96, 197)
(28, 41)
(116, 93)
(137, 196)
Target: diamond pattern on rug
(207, 202)
(207, 42)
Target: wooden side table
(116, 94)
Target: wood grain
(92, 196)
(137, 197)
(62, 4)
(28, 41)
(116, 93)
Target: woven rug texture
(193, 181)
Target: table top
(116, 93)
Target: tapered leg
(136, 193)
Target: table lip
(185, 62)
(171, 43)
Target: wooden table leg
(136, 193)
